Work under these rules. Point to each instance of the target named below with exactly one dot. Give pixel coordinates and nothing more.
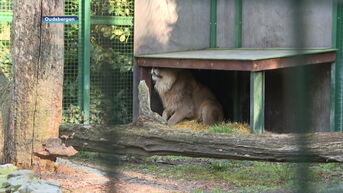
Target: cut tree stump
(150, 136)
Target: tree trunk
(36, 97)
(323, 147)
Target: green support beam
(112, 20)
(238, 23)
(332, 98)
(84, 58)
(213, 24)
(337, 74)
(6, 18)
(257, 92)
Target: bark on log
(36, 97)
(323, 147)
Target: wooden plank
(236, 54)
(277, 63)
(257, 92)
(239, 65)
(196, 64)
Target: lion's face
(155, 74)
(164, 78)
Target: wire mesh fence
(5, 23)
(110, 71)
(111, 62)
(111, 57)
(71, 109)
(110, 78)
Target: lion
(184, 98)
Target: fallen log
(149, 135)
(323, 147)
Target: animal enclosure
(263, 93)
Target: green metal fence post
(332, 98)
(213, 24)
(238, 44)
(257, 84)
(337, 42)
(238, 23)
(84, 58)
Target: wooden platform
(237, 59)
(257, 61)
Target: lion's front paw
(171, 123)
(165, 115)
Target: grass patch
(243, 176)
(230, 128)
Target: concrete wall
(174, 25)
(225, 23)
(269, 23)
(171, 25)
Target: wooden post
(257, 84)
(36, 96)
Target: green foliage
(5, 60)
(112, 7)
(103, 56)
(241, 176)
(72, 115)
(111, 55)
(71, 7)
(111, 64)
(5, 49)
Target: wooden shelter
(249, 50)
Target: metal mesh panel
(71, 7)
(111, 77)
(71, 110)
(110, 66)
(5, 27)
(5, 7)
(112, 7)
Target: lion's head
(164, 78)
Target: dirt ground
(78, 180)
(91, 173)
